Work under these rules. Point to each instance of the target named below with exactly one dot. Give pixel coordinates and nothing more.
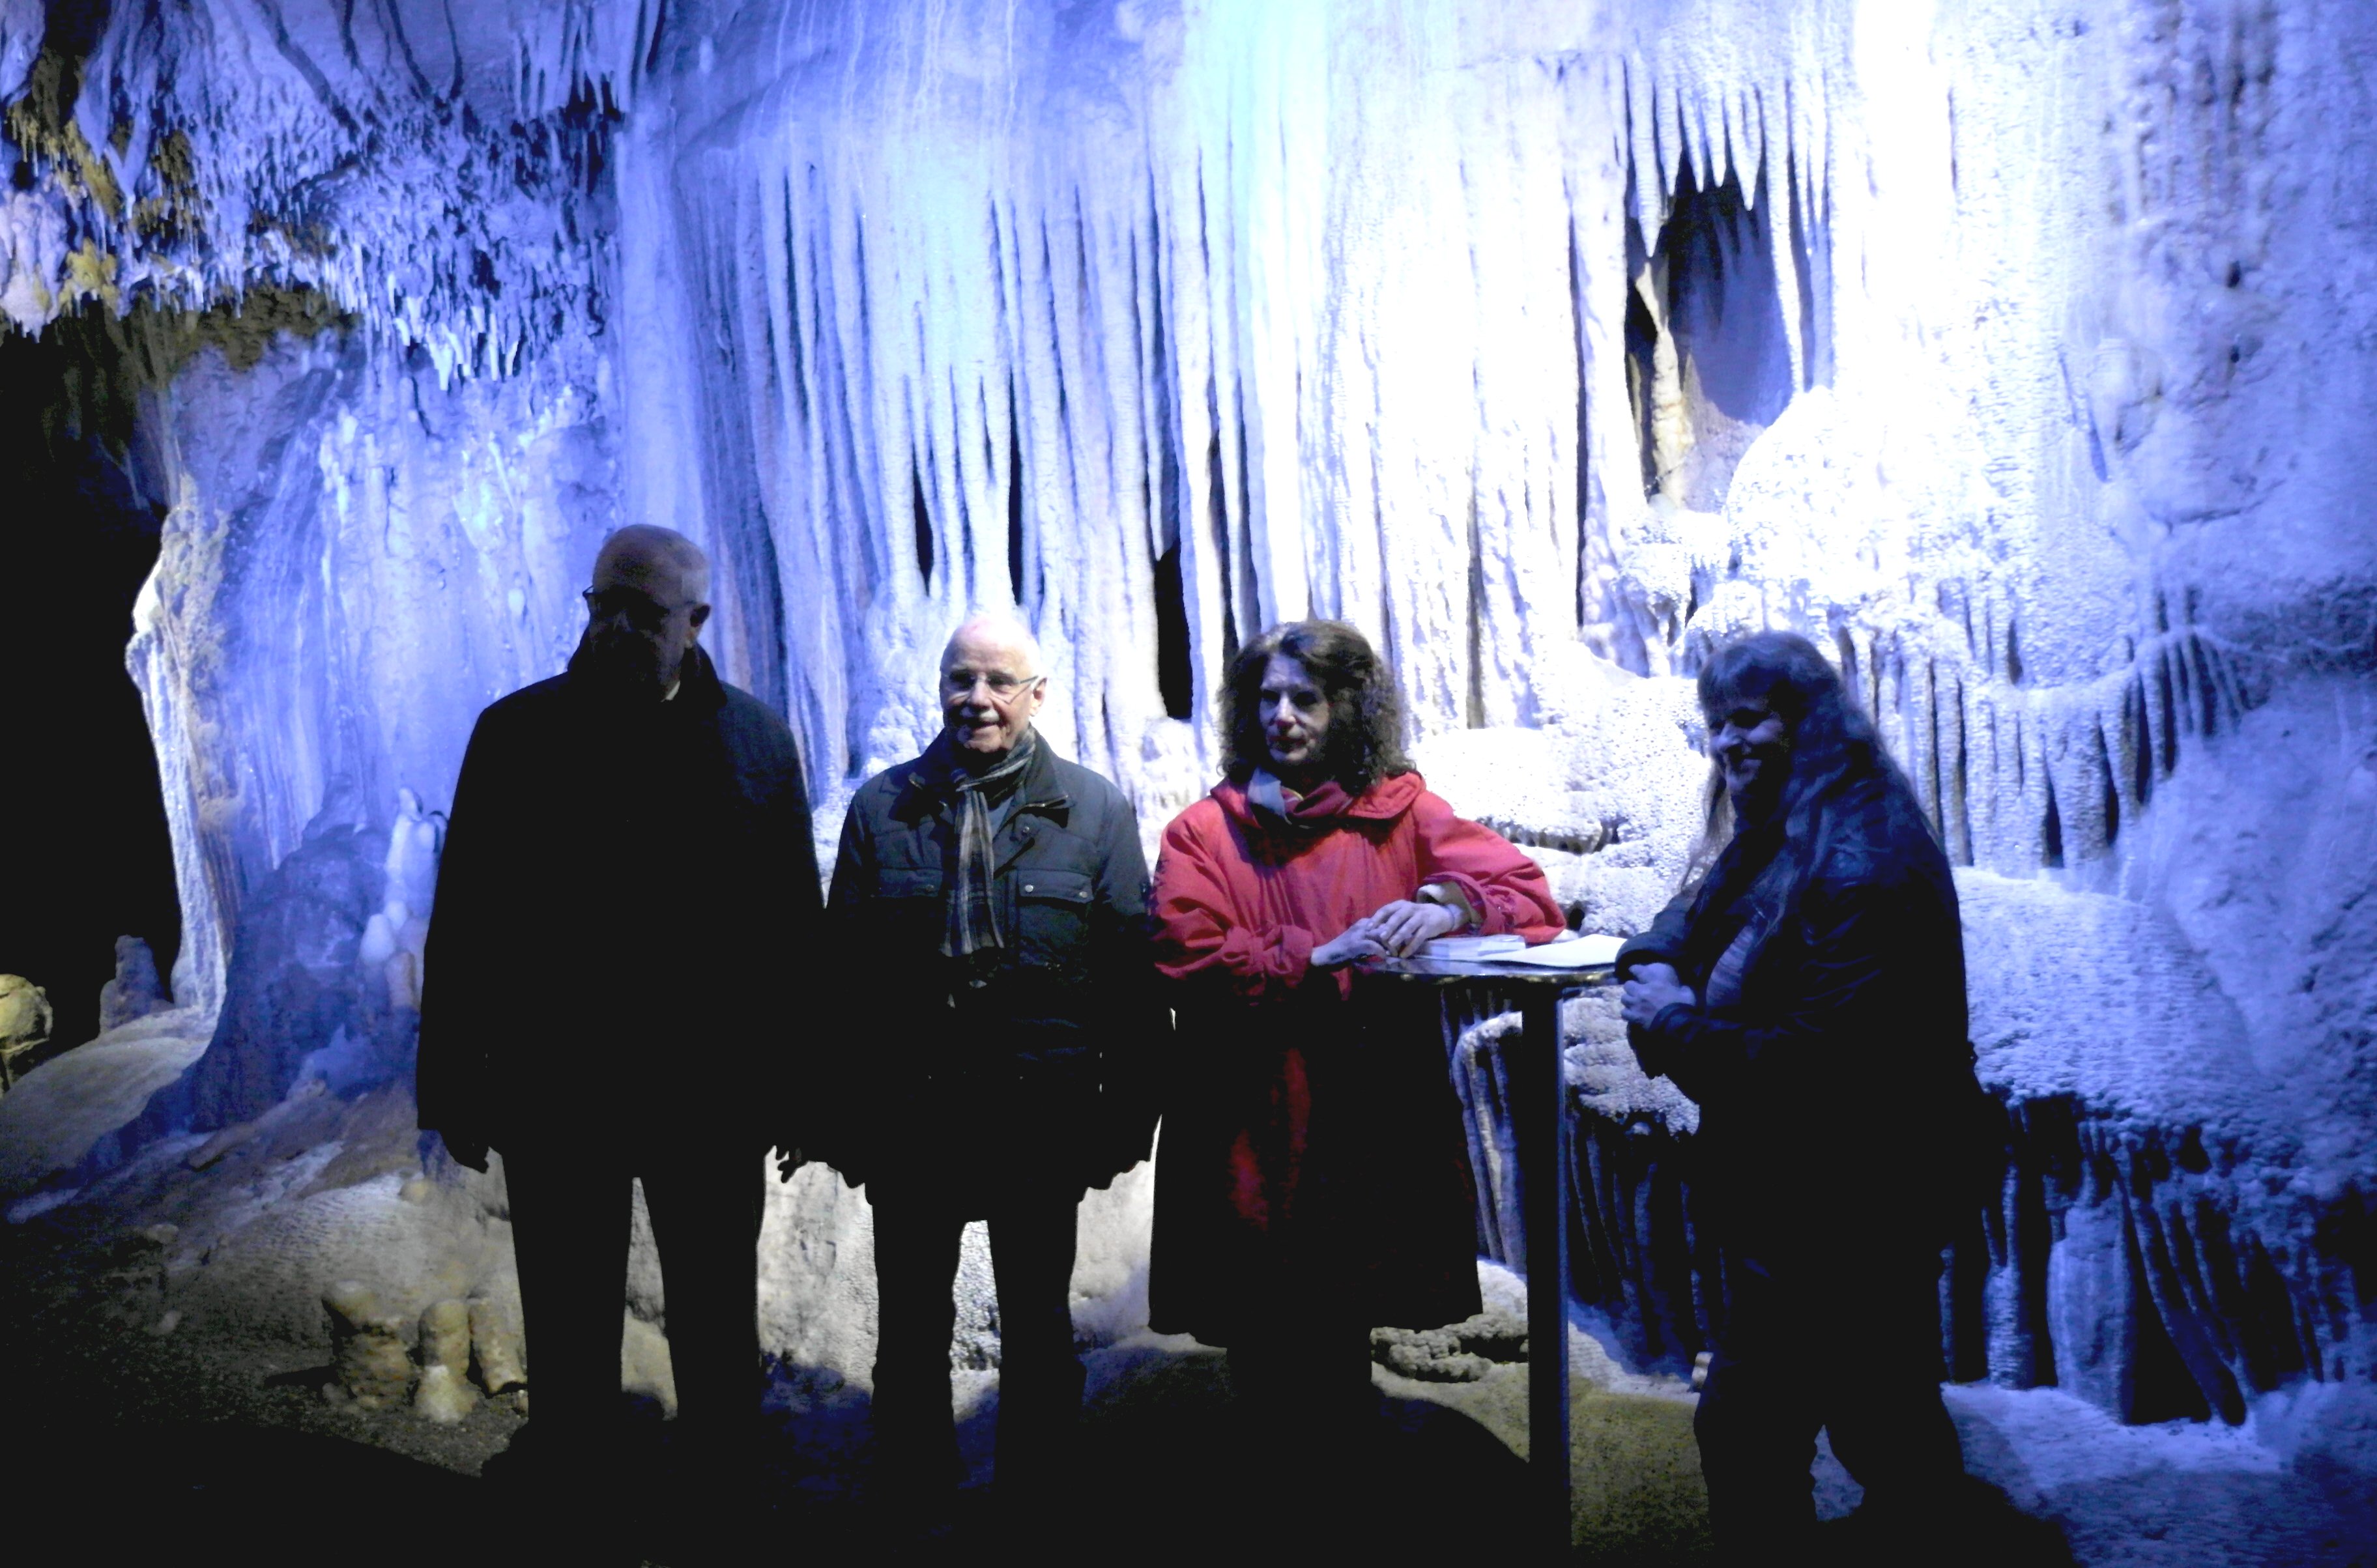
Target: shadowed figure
(628, 870)
(1808, 991)
(989, 901)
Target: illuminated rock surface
(2025, 357)
(136, 991)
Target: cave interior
(2021, 353)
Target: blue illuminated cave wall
(2019, 354)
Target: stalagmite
(496, 1359)
(366, 1347)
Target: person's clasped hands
(1396, 929)
(1650, 990)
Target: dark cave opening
(1709, 285)
(923, 520)
(90, 855)
(1015, 531)
(1174, 674)
(1218, 521)
(1641, 351)
(1721, 332)
(2158, 1387)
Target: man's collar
(697, 685)
(1040, 785)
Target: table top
(1452, 971)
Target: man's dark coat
(1836, 1090)
(625, 896)
(1043, 1070)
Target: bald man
(628, 875)
(992, 897)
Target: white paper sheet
(1589, 951)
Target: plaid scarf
(973, 910)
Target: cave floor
(191, 1437)
(143, 1437)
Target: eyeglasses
(640, 610)
(1003, 687)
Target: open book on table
(1574, 951)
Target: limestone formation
(496, 1357)
(24, 1025)
(395, 939)
(368, 1350)
(135, 993)
(445, 1336)
(212, 1151)
(444, 1396)
(645, 1368)
(1462, 1352)
(67, 1120)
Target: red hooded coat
(1313, 1158)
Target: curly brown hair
(1366, 711)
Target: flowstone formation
(2022, 355)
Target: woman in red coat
(1314, 1177)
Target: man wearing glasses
(991, 896)
(628, 875)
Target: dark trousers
(1852, 1348)
(1032, 1232)
(571, 1213)
(1303, 1373)
(1301, 1377)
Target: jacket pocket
(1052, 917)
(907, 912)
(908, 881)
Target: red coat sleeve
(1204, 934)
(1502, 885)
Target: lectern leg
(1542, 1175)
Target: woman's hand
(1651, 989)
(1357, 941)
(1404, 926)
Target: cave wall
(381, 444)
(2018, 352)
(356, 563)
